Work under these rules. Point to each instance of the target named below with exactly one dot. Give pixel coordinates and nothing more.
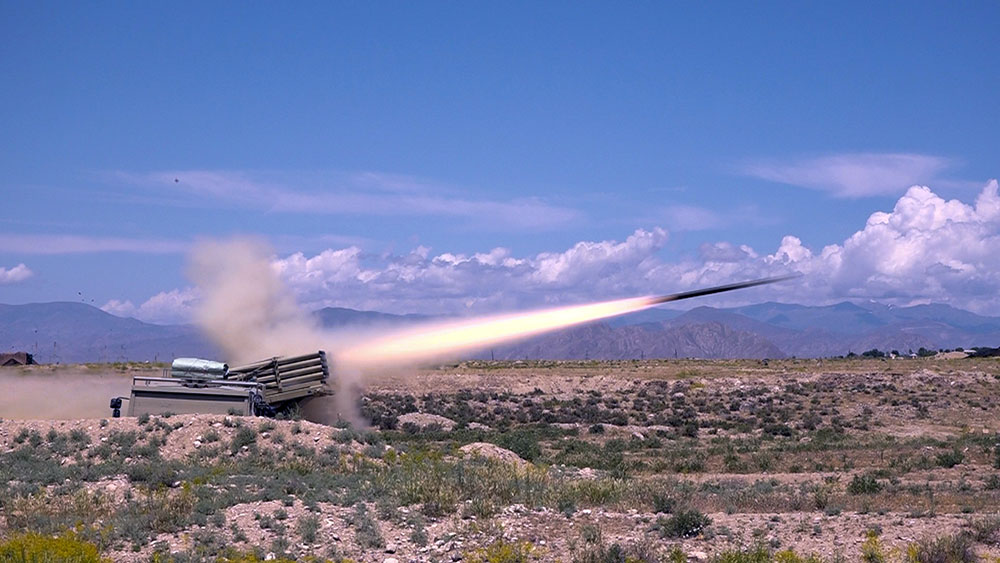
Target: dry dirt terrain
(844, 460)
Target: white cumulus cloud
(448, 283)
(167, 307)
(925, 249)
(15, 274)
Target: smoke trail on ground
(61, 394)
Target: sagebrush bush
(37, 548)
(789, 556)
(945, 549)
(662, 503)
(865, 484)
(757, 554)
(950, 459)
(871, 549)
(683, 524)
(245, 436)
(366, 530)
(502, 551)
(986, 530)
(522, 442)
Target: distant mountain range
(75, 332)
(68, 332)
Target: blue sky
(392, 143)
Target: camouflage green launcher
(193, 385)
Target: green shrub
(366, 531)
(502, 551)
(945, 549)
(419, 534)
(684, 524)
(865, 484)
(992, 483)
(613, 553)
(37, 548)
(79, 436)
(244, 437)
(984, 530)
(233, 556)
(950, 459)
(21, 436)
(522, 442)
(871, 549)
(757, 554)
(662, 503)
(789, 556)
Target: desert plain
(657, 460)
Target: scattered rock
(492, 451)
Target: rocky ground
(567, 461)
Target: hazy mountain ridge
(75, 332)
(68, 332)
(602, 341)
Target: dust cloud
(250, 314)
(245, 308)
(62, 394)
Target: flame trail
(429, 342)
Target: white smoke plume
(245, 308)
(250, 314)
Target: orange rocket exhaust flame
(435, 341)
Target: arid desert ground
(842, 460)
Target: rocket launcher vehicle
(193, 385)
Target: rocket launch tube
(718, 289)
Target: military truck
(194, 385)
